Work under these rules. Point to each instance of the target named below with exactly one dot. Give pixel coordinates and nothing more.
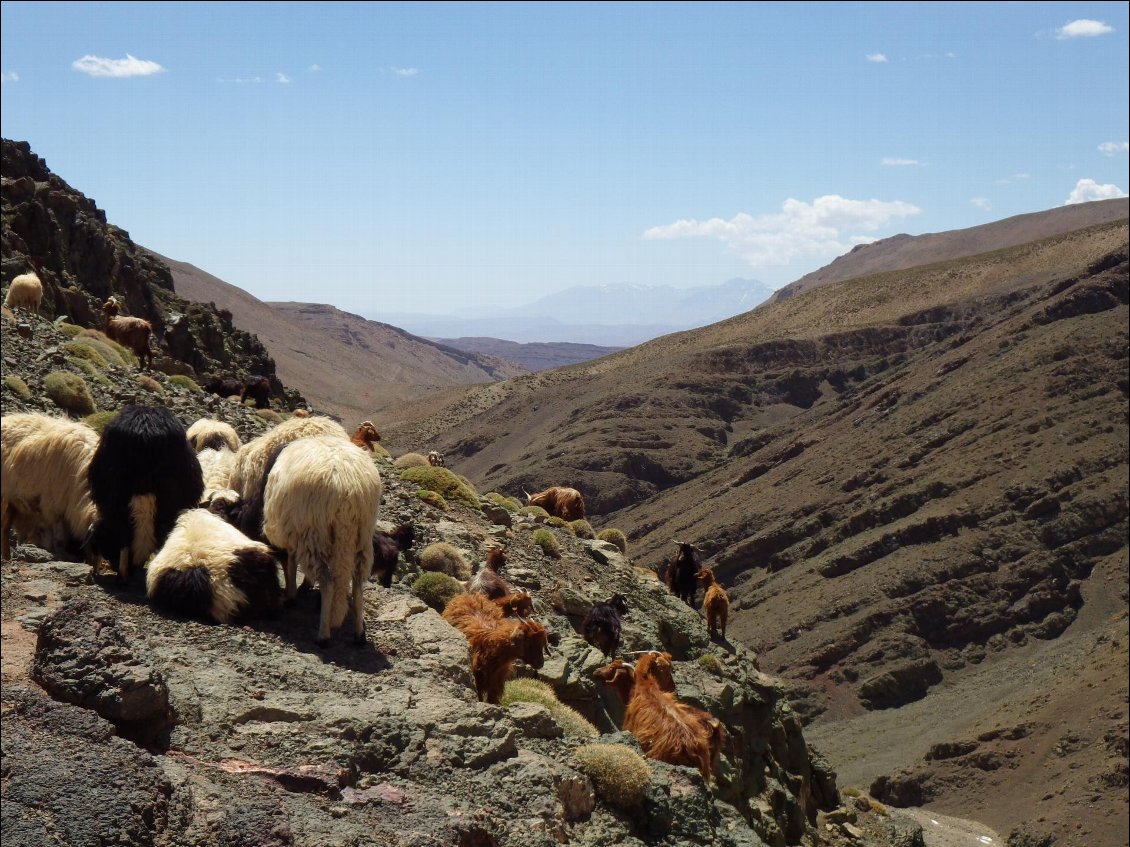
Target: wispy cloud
(1082, 28)
(891, 162)
(405, 71)
(830, 225)
(876, 57)
(241, 80)
(981, 203)
(9, 76)
(1113, 148)
(117, 68)
(281, 77)
(313, 69)
(1087, 190)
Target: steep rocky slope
(350, 367)
(908, 480)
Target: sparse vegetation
(443, 482)
(620, 775)
(98, 420)
(185, 382)
(268, 416)
(547, 541)
(582, 529)
(84, 349)
(436, 589)
(17, 386)
(534, 512)
(378, 451)
(614, 536)
(525, 690)
(150, 384)
(102, 340)
(444, 558)
(710, 663)
(69, 330)
(410, 460)
(558, 523)
(68, 391)
(432, 498)
(510, 504)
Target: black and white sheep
(209, 569)
(142, 475)
(320, 506)
(208, 433)
(43, 480)
(601, 626)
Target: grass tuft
(614, 536)
(526, 690)
(547, 541)
(436, 589)
(620, 775)
(68, 391)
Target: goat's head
(705, 576)
(368, 433)
(619, 602)
(532, 641)
(496, 559)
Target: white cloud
(281, 77)
(1082, 28)
(241, 80)
(314, 69)
(405, 71)
(899, 163)
(1113, 148)
(9, 76)
(981, 203)
(876, 57)
(1087, 190)
(118, 68)
(828, 226)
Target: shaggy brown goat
(257, 388)
(132, 333)
(495, 642)
(366, 436)
(564, 503)
(716, 603)
(436, 460)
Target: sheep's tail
(143, 512)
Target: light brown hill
(914, 485)
(343, 364)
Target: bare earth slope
(532, 356)
(351, 367)
(914, 485)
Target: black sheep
(257, 388)
(142, 475)
(224, 386)
(682, 573)
(387, 547)
(601, 626)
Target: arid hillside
(915, 486)
(344, 364)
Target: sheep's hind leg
(123, 565)
(359, 606)
(5, 528)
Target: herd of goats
(211, 519)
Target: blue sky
(448, 157)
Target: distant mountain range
(613, 315)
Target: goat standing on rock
(601, 626)
(682, 573)
(716, 604)
(135, 334)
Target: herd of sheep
(211, 520)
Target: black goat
(257, 388)
(682, 573)
(387, 547)
(601, 626)
(142, 475)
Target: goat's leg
(290, 573)
(123, 565)
(5, 528)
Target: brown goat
(132, 333)
(436, 459)
(517, 605)
(668, 730)
(366, 436)
(489, 580)
(716, 603)
(621, 675)
(564, 503)
(495, 641)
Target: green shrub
(88, 368)
(547, 541)
(68, 391)
(98, 420)
(102, 340)
(182, 381)
(436, 589)
(380, 452)
(69, 330)
(710, 663)
(268, 416)
(443, 482)
(508, 503)
(620, 775)
(534, 512)
(525, 690)
(444, 558)
(432, 498)
(557, 523)
(86, 350)
(582, 529)
(150, 384)
(410, 460)
(614, 536)
(17, 386)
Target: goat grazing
(250, 462)
(387, 547)
(43, 480)
(210, 433)
(682, 573)
(320, 505)
(25, 292)
(670, 731)
(224, 386)
(601, 626)
(489, 581)
(366, 436)
(564, 503)
(716, 603)
(257, 388)
(495, 642)
(135, 334)
(436, 459)
(517, 605)
(208, 569)
(142, 475)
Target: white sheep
(43, 465)
(26, 292)
(216, 465)
(252, 458)
(320, 505)
(209, 569)
(208, 432)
